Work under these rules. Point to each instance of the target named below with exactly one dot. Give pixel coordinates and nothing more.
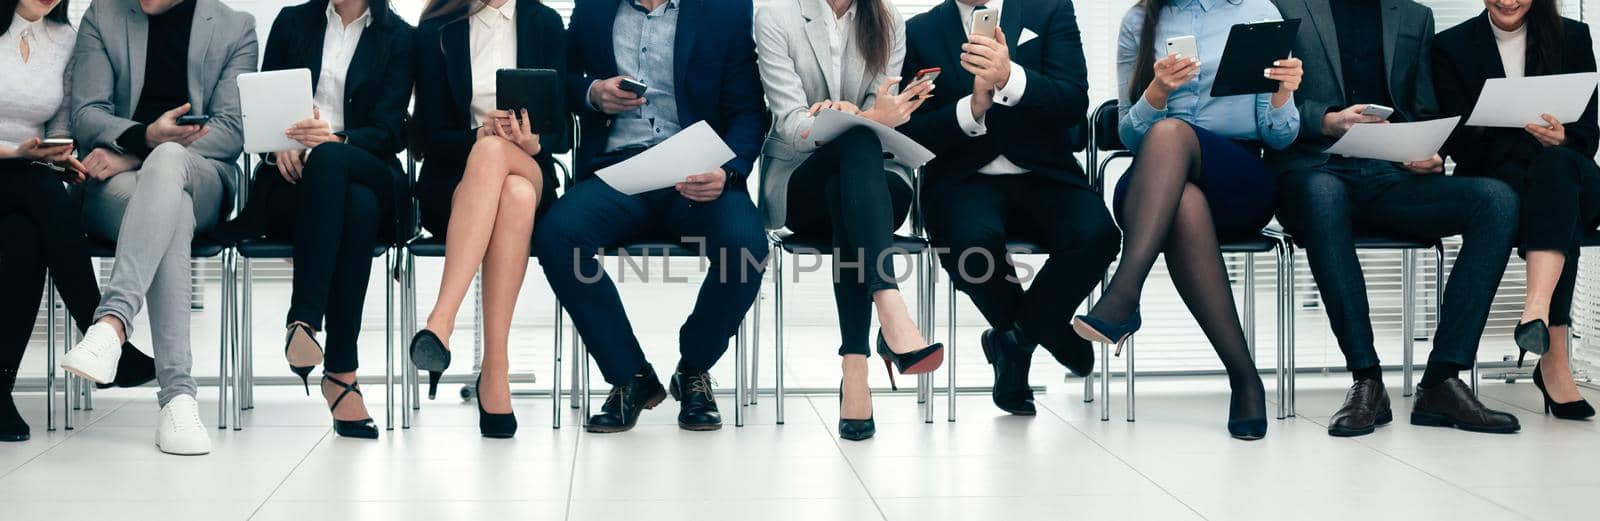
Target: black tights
(1165, 212)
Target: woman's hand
(312, 132)
(35, 149)
(1551, 135)
(896, 110)
(1288, 73)
(1172, 72)
(291, 164)
(517, 127)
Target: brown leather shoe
(1452, 404)
(1366, 406)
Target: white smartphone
(1379, 111)
(984, 21)
(1184, 46)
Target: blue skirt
(1242, 193)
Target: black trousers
(841, 193)
(1560, 191)
(1325, 207)
(335, 216)
(969, 221)
(42, 231)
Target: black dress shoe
(134, 369)
(1011, 362)
(698, 409)
(1366, 406)
(1075, 353)
(1452, 404)
(621, 410)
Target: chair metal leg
(247, 338)
(50, 376)
(555, 371)
(223, 346)
(739, 376)
(1088, 381)
(778, 333)
(925, 302)
(583, 357)
(408, 317)
(1250, 303)
(231, 308)
(753, 388)
(1130, 377)
(1408, 315)
(477, 323)
(1288, 322)
(391, 278)
(1284, 271)
(950, 345)
(575, 396)
(1105, 372)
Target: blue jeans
(1325, 207)
(592, 216)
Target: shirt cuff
(1283, 117)
(1011, 95)
(969, 125)
(590, 99)
(132, 142)
(1144, 115)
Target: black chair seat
(1261, 244)
(199, 249)
(269, 249)
(794, 242)
(429, 247)
(1373, 242)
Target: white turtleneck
(1513, 49)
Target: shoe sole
(651, 404)
(1384, 418)
(699, 428)
(928, 364)
(1423, 419)
(303, 352)
(15, 437)
(86, 376)
(175, 453)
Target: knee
(518, 195)
(1497, 203)
(1560, 164)
(1102, 241)
(555, 237)
(860, 140)
(493, 147)
(327, 161)
(167, 154)
(360, 204)
(1167, 132)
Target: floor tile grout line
(572, 473)
(1452, 484)
(837, 444)
(290, 474)
(1119, 459)
(73, 432)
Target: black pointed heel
(491, 425)
(1579, 410)
(364, 428)
(854, 430)
(925, 360)
(302, 357)
(429, 353)
(1533, 337)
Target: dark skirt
(1242, 193)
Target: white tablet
(271, 102)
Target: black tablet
(538, 91)
(1251, 49)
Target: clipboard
(538, 91)
(1252, 48)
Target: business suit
(349, 193)
(154, 211)
(716, 81)
(1325, 200)
(971, 214)
(444, 107)
(1559, 186)
(842, 192)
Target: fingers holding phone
(617, 94)
(175, 126)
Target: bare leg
(505, 264)
(1544, 271)
(898, 328)
(1555, 369)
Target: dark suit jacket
(1407, 31)
(1464, 57)
(714, 72)
(444, 95)
(1041, 131)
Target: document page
(1516, 102)
(1397, 142)
(694, 150)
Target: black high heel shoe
(1579, 410)
(493, 425)
(300, 347)
(428, 353)
(921, 361)
(854, 430)
(1531, 337)
(364, 428)
(1249, 429)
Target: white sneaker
(96, 356)
(180, 431)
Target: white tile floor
(1174, 463)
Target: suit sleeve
(226, 139)
(383, 137)
(578, 79)
(1427, 104)
(933, 126)
(94, 119)
(1584, 135)
(1453, 99)
(433, 96)
(1060, 88)
(782, 84)
(743, 106)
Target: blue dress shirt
(644, 41)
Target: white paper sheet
(270, 102)
(1515, 102)
(694, 150)
(1398, 142)
(831, 123)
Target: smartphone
(1378, 110)
(56, 142)
(1184, 46)
(193, 120)
(635, 86)
(984, 21)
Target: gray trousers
(153, 213)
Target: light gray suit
(793, 53)
(154, 210)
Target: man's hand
(1431, 166)
(166, 129)
(987, 56)
(1336, 124)
(982, 97)
(291, 164)
(102, 164)
(704, 187)
(312, 132)
(1553, 134)
(609, 96)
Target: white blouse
(1513, 47)
(34, 108)
(338, 47)
(494, 47)
(839, 29)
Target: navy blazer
(714, 69)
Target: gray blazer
(792, 50)
(1407, 33)
(108, 70)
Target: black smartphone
(193, 120)
(635, 86)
